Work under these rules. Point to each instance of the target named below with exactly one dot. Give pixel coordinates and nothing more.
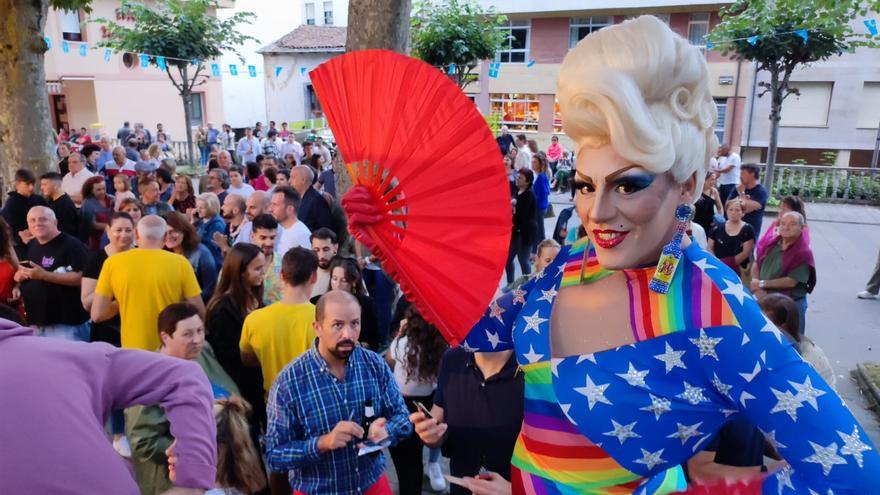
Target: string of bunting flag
(162, 61)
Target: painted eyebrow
(610, 177)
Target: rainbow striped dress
(624, 420)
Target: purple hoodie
(56, 396)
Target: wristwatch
(762, 283)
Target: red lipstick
(607, 239)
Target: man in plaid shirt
(317, 405)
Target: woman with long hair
(239, 291)
(345, 274)
(239, 469)
(97, 207)
(181, 238)
(120, 233)
(183, 199)
(255, 177)
(415, 356)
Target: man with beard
(232, 210)
(325, 246)
(265, 235)
(254, 205)
(357, 398)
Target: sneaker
(435, 475)
(121, 446)
(867, 295)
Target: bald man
(313, 209)
(308, 446)
(49, 273)
(143, 282)
(255, 204)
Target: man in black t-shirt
(19, 202)
(60, 202)
(753, 195)
(477, 413)
(50, 273)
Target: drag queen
(632, 364)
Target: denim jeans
(519, 250)
(802, 309)
(76, 333)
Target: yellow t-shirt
(278, 334)
(144, 282)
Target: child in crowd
(122, 184)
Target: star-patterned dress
(624, 420)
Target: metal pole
(876, 149)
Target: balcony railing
(827, 183)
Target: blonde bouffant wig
(643, 89)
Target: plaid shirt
(307, 401)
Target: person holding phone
(476, 418)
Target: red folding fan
(410, 136)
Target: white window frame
(525, 125)
(309, 20)
(701, 41)
(509, 27)
(71, 30)
(721, 122)
(576, 23)
(328, 13)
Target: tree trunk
(26, 137)
(186, 95)
(773, 143)
(378, 24)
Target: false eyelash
(579, 184)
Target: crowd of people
(238, 341)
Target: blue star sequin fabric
(653, 404)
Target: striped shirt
(307, 401)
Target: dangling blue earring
(671, 254)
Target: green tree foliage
(456, 32)
(183, 31)
(765, 32)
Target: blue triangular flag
(709, 45)
(451, 70)
(277, 71)
(531, 63)
(83, 50)
(252, 70)
(803, 34)
(871, 24)
(194, 61)
(753, 40)
(65, 46)
(160, 61)
(233, 69)
(302, 71)
(107, 54)
(145, 60)
(215, 70)
(48, 42)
